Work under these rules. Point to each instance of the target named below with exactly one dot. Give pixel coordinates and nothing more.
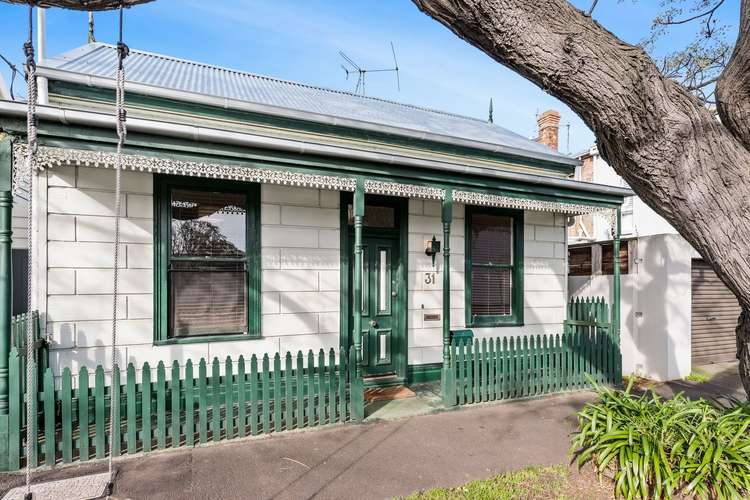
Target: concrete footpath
(374, 460)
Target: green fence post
(83, 414)
(616, 300)
(311, 387)
(161, 406)
(321, 387)
(202, 402)
(175, 404)
(357, 385)
(131, 411)
(115, 401)
(447, 383)
(189, 404)
(100, 408)
(277, 402)
(228, 399)
(288, 392)
(342, 384)
(15, 410)
(6, 292)
(66, 397)
(241, 396)
(215, 400)
(266, 397)
(254, 390)
(332, 384)
(300, 385)
(146, 420)
(50, 443)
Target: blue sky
(299, 40)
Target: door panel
(380, 324)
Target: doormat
(388, 393)
(74, 488)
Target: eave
(95, 131)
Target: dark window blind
(207, 272)
(491, 265)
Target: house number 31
(429, 278)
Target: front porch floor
(427, 399)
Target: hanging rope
(122, 132)
(31, 139)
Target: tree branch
(702, 84)
(661, 139)
(593, 6)
(733, 86)
(708, 13)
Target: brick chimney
(549, 124)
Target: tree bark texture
(733, 87)
(690, 168)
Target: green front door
(384, 238)
(382, 338)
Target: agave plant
(656, 448)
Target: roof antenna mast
(91, 38)
(350, 67)
(491, 118)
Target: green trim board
(162, 238)
(419, 374)
(346, 235)
(100, 95)
(516, 266)
(88, 138)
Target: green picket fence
(199, 403)
(533, 365)
(18, 325)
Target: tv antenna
(350, 67)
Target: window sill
(493, 324)
(207, 338)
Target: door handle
(373, 323)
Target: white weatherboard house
(262, 216)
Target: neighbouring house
(676, 312)
(262, 216)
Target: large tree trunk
(685, 164)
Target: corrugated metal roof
(162, 71)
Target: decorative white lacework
(50, 157)
(495, 200)
(54, 157)
(404, 190)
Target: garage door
(714, 317)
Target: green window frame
(515, 318)
(163, 187)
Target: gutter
(236, 104)
(205, 134)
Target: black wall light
(432, 248)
